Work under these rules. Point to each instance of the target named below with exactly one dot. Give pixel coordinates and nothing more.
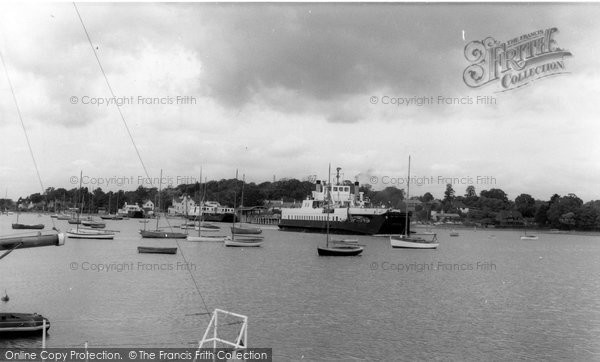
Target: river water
(483, 295)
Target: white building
(148, 205)
(129, 208)
(183, 205)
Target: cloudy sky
(281, 90)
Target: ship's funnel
(319, 187)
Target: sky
(282, 90)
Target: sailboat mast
(406, 200)
(242, 199)
(159, 198)
(80, 194)
(328, 202)
(200, 202)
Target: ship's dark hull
(225, 217)
(386, 224)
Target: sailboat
(406, 240)
(110, 216)
(245, 240)
(345, 247)
(201, 227)
(239, 229)
(161, 234)
(529, 236)
(86, 233)
(26, 226)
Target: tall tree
(525, 204)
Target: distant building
(148, 205)
(443, 217)
(127, 208)
(412, 204)
(277, 205)
(509, 218)
(183, 205)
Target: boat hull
(111, 217)
(401, 242)
(206, 238)
(25, 226)
(390, 222)
(339, 251)
(245, 230)
(95, 225)
(13, 325)
(529, 237)
(156, 250)
(244, 242)
(224, 217)
(162, 234)
(89, 234)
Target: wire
(112, 93)
(12, 90)
(135, 146)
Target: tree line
(563, 212)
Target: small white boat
(206, 238)
(413, 242)
(90, 234)
(408, 241)
(454, 233)
(244, 241)
(526, 236)
(202, 228)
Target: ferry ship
(349, 213)
(212, 211)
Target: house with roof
(509, 218)
(182, 205)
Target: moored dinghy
(81, 233)
(413, 242)
(160, 234)
(21, 324)
(245, 230)
(205, 226)
(243, 241)
(529, 236)
(345, 247)
(156, 250)
(408, 241)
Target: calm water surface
(483, 295)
